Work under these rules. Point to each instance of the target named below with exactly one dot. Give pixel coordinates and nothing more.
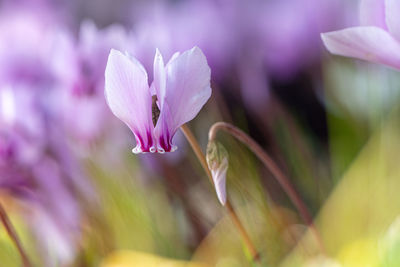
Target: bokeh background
(77, 196)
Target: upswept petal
(367, 43)
(372, 13)
(173, 57)
(393, 17)
(160, 78)
(128, 96)
(187, 90)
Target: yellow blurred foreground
(360, 222)
(125, 258)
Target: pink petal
(393, 17)
(160, 78)
(128, 96)
(187, 90)
(173, 57)
(367, 43)
(372, 13)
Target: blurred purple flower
(82, 92)
(34, 162)
(376, 40)
(56, 216)
(28, 172)
(289, 32)
(24, 43)
(182, 87)
(248, 40)
(181, 26)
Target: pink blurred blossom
(35, 165)
(79, 65)
(376, 40)
(249, 40)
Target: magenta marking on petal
(145, 145)
(162, 143)
(139, 140)
(149, 139)
(165, 142)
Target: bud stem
(236, 221)
(273, 168)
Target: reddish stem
(13, 235)
(236, 221)
(273, 168)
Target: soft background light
(77, 196)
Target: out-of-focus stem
(236, 221)
(273, 168)
(14, 237)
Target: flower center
(155, 111)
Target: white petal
(187, 90)
(393, 17)
(173, 57)
(160, 78)
(368, 43)
(128, 96)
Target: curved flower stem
(236, 221)
(14, 237)
(273, 168)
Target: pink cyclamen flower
(182, 87)
(377, 40)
